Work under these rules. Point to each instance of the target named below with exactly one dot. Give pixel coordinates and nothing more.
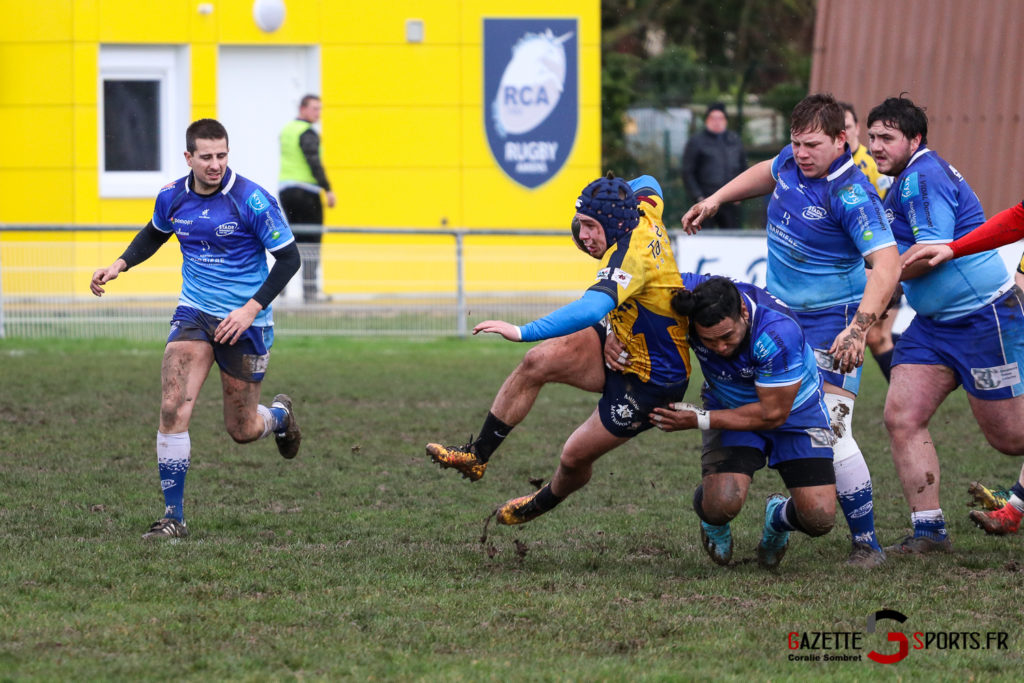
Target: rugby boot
(520, 510)
(1005, 520)
(865, 556)
(287, 441)
(921, 545)
(717, 542)
(773, 543)
(990, 499)
(461, 459)
(166, 527)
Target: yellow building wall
(415, 113)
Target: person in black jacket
(712, 158)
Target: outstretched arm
(583, 312)
(756, 181)
(1005, 227)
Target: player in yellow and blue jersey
(620, 224)
(225, 225)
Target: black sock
(545, 499)
(792, 517)
(884, 362)
(491, 435)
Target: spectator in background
(301, 179)
(712, 158)
(881, 340)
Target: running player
(225, 224)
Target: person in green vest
(301, 180)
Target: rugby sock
(1017, 496)
(546, 499)
(853, 489)
(274, 419)
(884, 361)
(784, 517)
(491, 435)
(929, 523)
(172, 456)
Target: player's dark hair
(903, 115)
(848, 107)
(205, 129)
(306, 99)
(709, 303)
(818, 112)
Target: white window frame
(169, 66)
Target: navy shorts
(821, 329)
(627, 401)
(806, 435)
(984, 349)
(246, 360)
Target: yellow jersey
(639, 272)
(866, 163)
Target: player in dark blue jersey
(969, 327)
(763, 404)
(824, 221)
(225, 224)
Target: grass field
(362, 560)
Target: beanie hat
(611, 202)
(714, 106)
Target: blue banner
(531, 95)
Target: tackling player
(763, 404)
(225, 224)
(620, 224)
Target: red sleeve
(1005, 227)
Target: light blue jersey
(224, 238)
(931, 203)
(819, 231)
(774, 354)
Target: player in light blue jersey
(969, 327)
(824, 221)
(763, 404)
(225, 224)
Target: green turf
(362, 560)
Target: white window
(144, 104)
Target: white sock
(1016, 502)
(268, 420)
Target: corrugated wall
(959, 59)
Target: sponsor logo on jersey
(531, 91)
(909, 187)
(621, 277)
(814, 213)
(604, 273)
(181, 221)
(765, 346)
(205, 214)
(225, 229)
(955, 172)
(853, 195)
(257, 202)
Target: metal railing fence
(371, 281)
